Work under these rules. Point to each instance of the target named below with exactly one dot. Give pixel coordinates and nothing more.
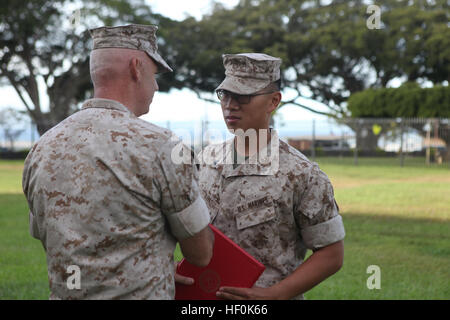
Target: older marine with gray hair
(104, 194)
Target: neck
(116, 95)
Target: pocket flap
(255, 217)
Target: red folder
(230, 266)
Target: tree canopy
(328, 51)
(46, 43)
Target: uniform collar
(264, 163)
(104, 104)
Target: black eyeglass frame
(239, 98)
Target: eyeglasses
(225, 95)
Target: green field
(395, 218)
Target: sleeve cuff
(189, 221)
(323, 234)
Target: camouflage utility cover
(105, 196)
(275, 215)
(247, 73)
(133, 36)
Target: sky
(173, 106)
(181, 105)
(179, 9)
(177, 101)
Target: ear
(135, 70)
(275, 101)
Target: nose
(230, 103)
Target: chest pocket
(255, 212)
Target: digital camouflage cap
(247, 73)
(133, 36)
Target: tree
(11, 123)
(327, 50)
(46, 44)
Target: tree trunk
(363, 128)
(368, 140)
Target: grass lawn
(395, 218)
(23, 269)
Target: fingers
(233, 293)
(180, 278)
(183, 280)
(227, 296)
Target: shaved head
(124, 75)
(112, 64)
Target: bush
(13, 155)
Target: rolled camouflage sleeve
(317, 212)
(181, 203)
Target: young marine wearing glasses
(265, 195)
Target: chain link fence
(410, 141)
(401, 141)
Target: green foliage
(409, 101)
(327, 50)
(43, 40)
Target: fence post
(313, 142)
(355, 153)
(402, 158)
(428, 153)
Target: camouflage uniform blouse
(274, 209)
(105, 195)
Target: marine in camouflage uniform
(105, 195)
(275, 204)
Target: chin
(231, 127)
(235, 130)
(145, 109)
